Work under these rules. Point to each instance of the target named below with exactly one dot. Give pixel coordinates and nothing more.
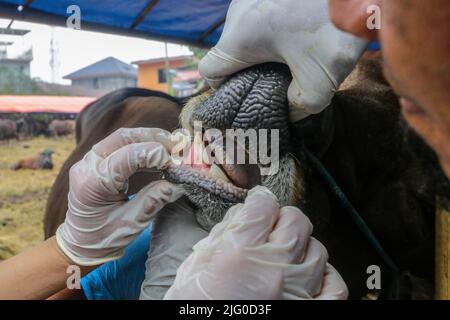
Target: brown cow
(8, 129)
(388, 174)
(58, 128)
(41, 161)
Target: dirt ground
(23, 193)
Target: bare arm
(36, 273)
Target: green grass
(23, 193)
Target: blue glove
(120, 279)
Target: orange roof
(51, 104)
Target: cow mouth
(254, 99)
(226, 180)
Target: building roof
(70, 90)
(13, 32)
(104, 68)
(163, 59)
(48, 104)
(187, 75)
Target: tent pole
(211, 29)
(143, 14)
(20, 9)
(167, 67)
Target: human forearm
(36, 273)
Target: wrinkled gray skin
(254, 98)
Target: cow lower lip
(218, 187)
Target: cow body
(8, 129)
(41, 161)
(31, 126)
(58, 128)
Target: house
(17, 65)
(107, 75)
(152, 72)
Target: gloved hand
(259, 251)
(175, 232)
(298, 33)
(100, 222)
(120, 279)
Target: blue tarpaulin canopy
(192, 22)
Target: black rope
(343, 200)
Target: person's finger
(304, 278)
(217, 65)
(217, 231)
(126, 136)
(333, 286)
(309, 97)
(291, 234)
(318, 75)
(253, 222)
(115, 170)
(152, 198)
(352, 16)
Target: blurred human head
(415, 39)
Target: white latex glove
(175, 232)
(100, 221)
(298, 33)
(259, 251)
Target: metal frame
(144, 13)
(211, 29)
(9, 11)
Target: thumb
(333, 286)
(151, 199)
(217, 65)
(310, 92)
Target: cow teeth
(217, 173)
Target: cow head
(45, 159)
(246, 116)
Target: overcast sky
(77, 48)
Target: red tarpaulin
(48, 104)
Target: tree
(17, 83)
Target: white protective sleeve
(175, 232)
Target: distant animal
(22, 127)
(32, 127)
(58, 128)
(8, 129)
(38, 127)
(41, 161)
